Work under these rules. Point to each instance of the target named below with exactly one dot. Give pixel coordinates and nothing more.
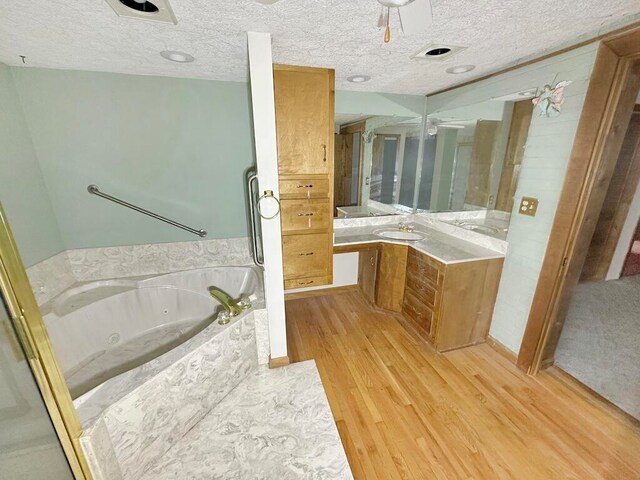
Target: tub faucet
(229, 304)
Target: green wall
(374, 104)
(178, 147)
(23, 193)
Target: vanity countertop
(439, 245)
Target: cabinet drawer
(425, 292)
(306, 255)
(298, 216)
(304, 187)
(306, 282)
(420, 314)
(423, 269)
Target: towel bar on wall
(93, 189)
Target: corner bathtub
(102, 329)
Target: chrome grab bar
(251, 180)
(93, 189)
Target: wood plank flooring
(406, 412)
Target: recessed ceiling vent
(156, 10)
(437, 52)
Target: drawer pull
(305, 254)
(305, 186)
(305, 214)
(324, 157)
(306, 283)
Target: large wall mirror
(375, 168)
(461, 164)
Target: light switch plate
(528, 206)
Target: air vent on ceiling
(438, 52)
(156, 10)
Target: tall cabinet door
(304, 102)
(304, 99)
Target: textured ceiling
(343, 34)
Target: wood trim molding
(615, 38)
(511, 356)
(624, 42)
(356, 247)
(607, 109)
(279, 362)
(320, 292)
(573, 383)
(616, 207)
(357, 127)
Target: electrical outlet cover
(528, 206)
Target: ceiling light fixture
(460, 69)
(179, 57)
(359, 78)
(528, 93)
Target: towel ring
(268, 194)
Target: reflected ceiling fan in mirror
(414, 16)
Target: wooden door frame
(600, 264)
(351, 129)
(601, 130)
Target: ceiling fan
(414, 17)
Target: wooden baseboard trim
(502, 350)
(573, 382)
(320, 292)
(279, 362)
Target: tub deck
(276, 424)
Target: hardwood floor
(407, 412)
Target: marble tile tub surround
(277, 424)
(54, 275)
(50, 277)
(94, 403)
(144, 424)
(470, 245)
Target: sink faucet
(405, 227)
(229, 304)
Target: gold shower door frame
(33, 335)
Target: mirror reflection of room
(468, 171)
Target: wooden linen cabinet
(304, 100)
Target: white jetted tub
(102, 329)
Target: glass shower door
(29, 446)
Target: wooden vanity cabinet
(450, 305)
(304, 101)
(391, 276)
(367, 273)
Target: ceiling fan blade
(400, 20)
(416, 16)
(382, 19)
(267, 2)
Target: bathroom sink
(400, 235)
(474, 227)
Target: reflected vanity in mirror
(375, 165)
(472, 163)
(459, 166)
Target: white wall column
(264, 127)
